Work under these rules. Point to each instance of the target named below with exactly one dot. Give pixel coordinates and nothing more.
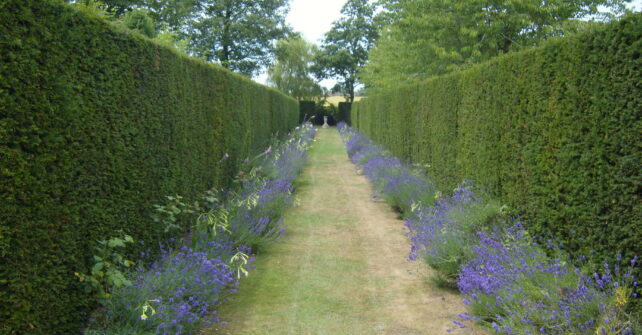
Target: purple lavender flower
(185, 284)
(507, 279)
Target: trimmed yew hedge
(307, 109)
(554, 131)
(344, 112)
(96, 126)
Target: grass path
(342, 268)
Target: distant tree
(291, 71)
(238, 34)
(345, 47)
(431, 37)
(170, 15)
(128, 17)
(117, 8)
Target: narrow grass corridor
(342, 267)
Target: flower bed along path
(342, 268)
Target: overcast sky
(314, 17)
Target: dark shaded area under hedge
(554, 131)
(96, 126)
(344, 112)
(313, 112)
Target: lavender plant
(510, 282)
(266, 190)
(514, 286)
(178, 293)
(443, 234)
(400, 184)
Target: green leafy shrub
(109, 267)
(140, 21)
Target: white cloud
(635, 5)
(313, 18)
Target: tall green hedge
(554, 131)
(96, 126)
(307, 109)
(344, 112)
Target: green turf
(309, 283)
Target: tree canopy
(170, 15)
(238, 34)
(345, 47)
(291, 71)
(431, 37)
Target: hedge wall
(554, 131)
(306, 110)
(96, 126)
(344, 112)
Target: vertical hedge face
(307, 109)
(344, 112)
(554, 131)
(96, 126)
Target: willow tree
(291, 71)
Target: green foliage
(239, 262)
(168, 214)
(344, 112)
(140, 21)
(345, 47)
(113, 8)
(171, 40)
(107, 273)
(307, 109)
(96, 126)
(238, 34)
(214, 218)
(431, 37)
(205, 216)
(553, 131)
(291, 72)
(170, 15)
(458, 237)
(92, 8)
